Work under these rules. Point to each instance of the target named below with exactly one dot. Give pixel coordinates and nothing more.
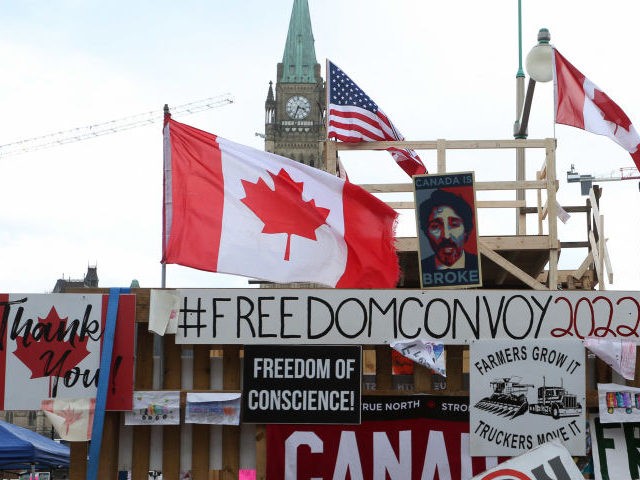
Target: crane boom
(113, 126)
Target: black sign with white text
(301, 384)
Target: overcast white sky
(438, 69)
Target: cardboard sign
(447, 233)
(413, 437)
(50, 346)
(550, 461)
(615, 449)
(374, 317)
(524, 394)
(301, 384)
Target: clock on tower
(294, 120)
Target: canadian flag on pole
(234, 209)
(580, 103)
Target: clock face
(298, 107)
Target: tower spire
(299, 59)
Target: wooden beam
(200, 433)
(230, 433)
(484, 186)
(527, 242)
(144, 381)
(172, 380)
(448, 144)
(510, 267)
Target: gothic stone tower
(294, 117)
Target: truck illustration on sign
(556, 401)
(509, 399)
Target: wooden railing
(546, 210)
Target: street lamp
(539, 64)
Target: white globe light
(539, 62)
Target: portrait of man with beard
(446, 224)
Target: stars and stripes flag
(354, 117)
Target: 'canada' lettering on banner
(50, 346)
(374, 317)
(524, 394)
(417, 437)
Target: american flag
(354, 117)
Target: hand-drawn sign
(359, 317)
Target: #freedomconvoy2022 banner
(411, 437)
(50, 347)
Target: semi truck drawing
(556, 402)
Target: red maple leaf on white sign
(283, 210)
(50, 355)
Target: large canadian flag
(234, 209)
(580, 103)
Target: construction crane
(622, 173)
(107, 128)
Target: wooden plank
(454, 367)
(410, 205)
(261, 452)
(527, 242)
(510, 267)
(108, 467)
(384, 380)
(200, 432)
(484, 186)
(501, 203)
(171, 380)
(441, 146)
(144, 381)
(231, 433)
(448, 144)
(421, 379)
(78, 460)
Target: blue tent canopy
(20, 448)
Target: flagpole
(330, 163)
(163, 275)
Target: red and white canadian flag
(234, 209)
(580, 103)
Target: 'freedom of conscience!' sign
(373, 317)
(301, 384)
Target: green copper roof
(299, 57)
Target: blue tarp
(20, 448)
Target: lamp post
(539, 64)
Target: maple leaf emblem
(283, 210)
(70, 416)
(43, 350)
(610, 110)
